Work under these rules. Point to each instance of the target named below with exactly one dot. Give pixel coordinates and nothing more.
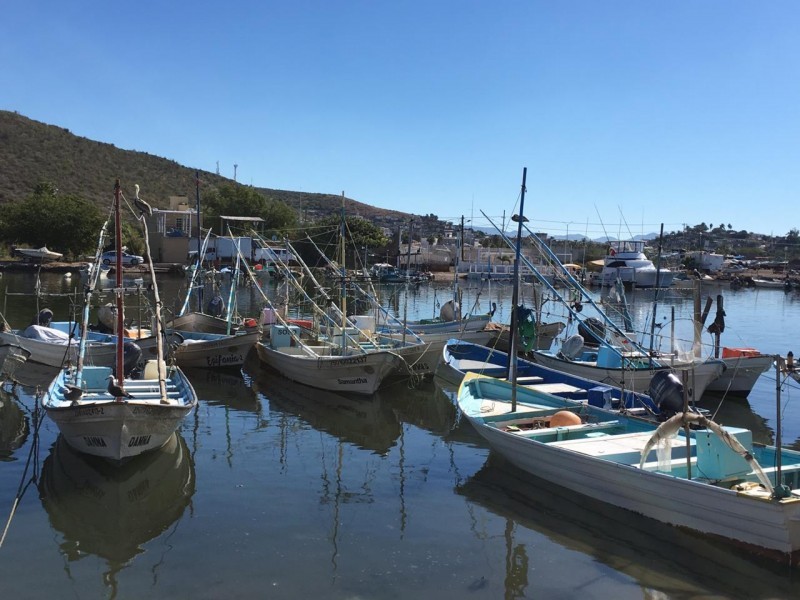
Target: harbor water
(276, 490)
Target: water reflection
(14, 425)
(424, 406)
(368, 423)
(224, 387)
(663, 560)
(737, 412)
(112, 511)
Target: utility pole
(462, 237)
(235, 166)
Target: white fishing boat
(209, 350)
(603, 351)
(716, 481)
(631, 369)
(336, 355)
(40, 254)
(112, 413)
(743, 367)
(323, 367)
(55, 348)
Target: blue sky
(627, 114)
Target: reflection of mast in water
(516, 581)
(110, 510)
(656, 556)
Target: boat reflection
(113, 511)
(665, 561)
(220, 387)
(14, 426)
(368, 422)
(737, 412)
(425, 406)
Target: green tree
(64, 223)
(236, 200)
(360, 234)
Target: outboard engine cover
(450, 311)
(572, 347)
(591, 329)
(666, 390)
(215, 306)
(44, 318)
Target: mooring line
(33, 455)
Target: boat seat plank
(529, 380)
(624, 448)
(492, 408)
(559, 389)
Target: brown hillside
(32, 152)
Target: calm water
(276, 490)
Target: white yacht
(626, 260)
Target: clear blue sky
(627, 112)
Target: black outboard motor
(590, 330)
(44, 318)
(215, 306)
(666, 390)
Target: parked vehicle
(110, 258)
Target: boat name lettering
(138, 440)
(144, 410)
(94, 441)
(354, 360)
(90, 410)
(353, 381)
(421, 366)
(221, 360)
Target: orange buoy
(563, 418)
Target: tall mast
(512, 350)
(343, 291)
(199, 256)
(120, 329)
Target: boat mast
(199, 256)
(655, 294)
(512, 350)
(120, 328)
(343, 291)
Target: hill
(32, 152)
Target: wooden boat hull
(473, 323)
(99, 425)
(751, 518)
(206, 350)
(200, 322)
(638, 380)
(357, 373)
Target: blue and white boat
(460, 357)
(713, 480)
(118, 413)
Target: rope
(33, 457)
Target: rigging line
(33, 456)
